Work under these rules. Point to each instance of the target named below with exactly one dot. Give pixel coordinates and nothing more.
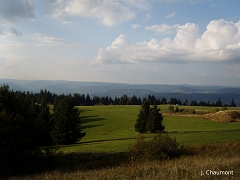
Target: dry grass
(224, 116)
(217, 157)
(220, 116)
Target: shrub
(159, 148)
(171, 108)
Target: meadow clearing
(111, 128)
(210, 147)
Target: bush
(159, 148)
(171, 108)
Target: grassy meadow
(101, 154)
(111, 128)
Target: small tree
(149, 119)
(142, 118)
(67, 123)
(154, 122)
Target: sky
(193, 42)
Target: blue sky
(130, 41)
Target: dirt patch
(224, 116)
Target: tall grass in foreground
(215, 157)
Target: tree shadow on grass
(88, 119)
(75, 161)
(84, 161)
(97, 141)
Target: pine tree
(154, 122)
(149, 119)
(142, 118)
(45, 123)
(67, 123)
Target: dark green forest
(85, 99)
(29, 133)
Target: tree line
(85, 100)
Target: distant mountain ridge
(182, 91)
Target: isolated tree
(154, 121)
(149, 119)
(142, 118)
(66, 123)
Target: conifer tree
(154, 123)
(45, 123)
(142, 118)
(66, 123)
(149, 119)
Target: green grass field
(111, 129)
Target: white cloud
(52, 41)
(67, 22)
(163, 28)
(108, 12)
(171, 15)
(11, 46)
(135, 26)
(148, 16)
(219, 43)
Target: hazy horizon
(33, 80)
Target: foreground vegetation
(196, 160)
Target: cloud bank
(108, 12)
(220, 42)
(50, 41)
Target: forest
(86, 100)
